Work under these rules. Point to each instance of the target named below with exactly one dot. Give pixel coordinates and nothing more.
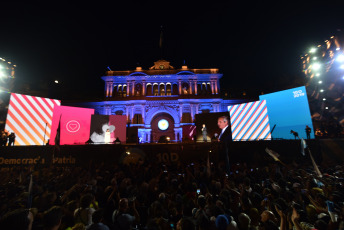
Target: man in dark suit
(225, 138)
(225, 134)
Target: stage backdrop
(74, 125)
(289, 110)
(115, 123)
(250, 121)
(30, 118)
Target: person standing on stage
(204, 133)
(225, 138)
(11, 139)
(308, 132)
(107, 136)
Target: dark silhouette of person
(296, 135)
(4, 138)
(11, 139)
(308, 132)
(117, 141)
(204, 133)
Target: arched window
(155, 89)
(162, 89)
(114, 91)
(168, 89)
(119, 90)
(208, 88)
(149, 89)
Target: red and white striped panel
(30, 118)
(250, 121)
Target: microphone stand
(46, 124)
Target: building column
(192, 112)
(212, 86)
(111, 88)
(143, 88)
(180, 86)
(218, 86)
(132, 114)
(196, 108)
(181, 112)
(215, 83)
(127, 112)
(128, 86)
(133, 88)
(195, 84)
(190, 86)
(148, 135)
(106, 89)
(143, 113)
(176, 134)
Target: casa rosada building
(161, 100)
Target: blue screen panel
(289, 110)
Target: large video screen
(250, 121)
(115, 124)
(30, 118)
(210, 122)
(289, 110)
(74, 123)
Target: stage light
(338, 48)
(341, 67)
(324, 99)
(340, 58)
(319, 82)
(128, 153)
(318, 74)
(326, 107)
(313, 50)
(316, 66)
(321, 90)
(314, 58)
(56, 81)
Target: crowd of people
(6, 138)
(149, 195)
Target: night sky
(257, 47)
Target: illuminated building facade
(161, 100)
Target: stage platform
(250, 152)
